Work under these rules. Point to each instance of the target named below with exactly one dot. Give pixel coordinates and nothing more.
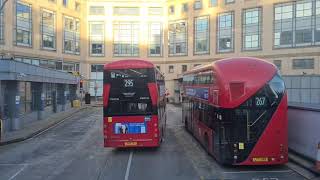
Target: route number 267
(260, 101)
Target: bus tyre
(162, 135)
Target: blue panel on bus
(201, 93)
(130, 128)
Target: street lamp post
(2, 5)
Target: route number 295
(128, 82)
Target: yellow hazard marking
(109, 119)
(241, 145)
(260, 159)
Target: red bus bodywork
(154, 122)
(246, 104)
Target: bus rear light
(281, 148)
(155, 124)
(153, 90)
(235, 157)
(106, 92)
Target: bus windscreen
(129, 93)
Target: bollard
(318, 159)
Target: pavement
(73, 149)
(36, 127)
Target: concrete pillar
(39, 98)
(1, 100)
(13, 100)
(62, 97)
(54, 100)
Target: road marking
(11, 164)
(126, 177)
(57, 124)
(17, 173)
(236, 172)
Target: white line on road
(11, 164)
(235, 172)
(17, 173)
(126, 177)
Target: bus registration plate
(130, 143)
(260, 159)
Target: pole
(318, 158)
(1, 128)
(3, 4)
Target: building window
(171, 69)
(65, 3)
(155, 11)
(58, 65)
(1, 24)
(48, 30)
(201, 35)
(303, 64)
(171, 9)
(126, 11)
(126, 39)
(251, 29)
(225, 32)
(96, 10)
(229, 1)
(47, 64)
(96, 80)
(278, 63)
(185, 7)
(96, 38)
(297, 24)
(23, 24)
(213, 3)
(317, 23)
(155, 39)
(178, 38)
(303, 24)
(283, 25)
(77, 6)
(97, 68)
(69, 67)
(71, 35)
(77, 36)
(184, 68)
(197, 5)
(27, 103)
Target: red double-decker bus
(134, 104)
(237, 109)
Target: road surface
(74, 150)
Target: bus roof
(129, 63)
(225, 63)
